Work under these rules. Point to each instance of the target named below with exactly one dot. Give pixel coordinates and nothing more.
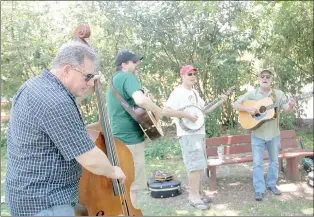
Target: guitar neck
(278, 104)
(275, 105)
(232, 89)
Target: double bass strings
(111, 153)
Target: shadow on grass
(234, 196)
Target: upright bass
(99, 195)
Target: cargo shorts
(193, 152)
(138, 154)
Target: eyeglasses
(267, 76)
(190, 74)
(88, 76)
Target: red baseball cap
(187, 68)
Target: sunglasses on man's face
(265, 76)
(88, 76)
(190, 74)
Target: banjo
(188, 125)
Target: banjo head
(188, 123)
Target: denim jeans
(258, 147)
(59, 210)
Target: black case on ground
(165, 189)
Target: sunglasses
(265, 76)
(88, 76)
(190, 74)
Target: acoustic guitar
(265, 110)
(146, 119)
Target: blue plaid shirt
(46, 132)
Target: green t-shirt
(123, 126)
(269, 129)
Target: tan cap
(266, 70)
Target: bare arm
(167, 111)
(289, 107)
(145, 102)
(239, 107)
(97, 162)
(216, 105)
(94, 126)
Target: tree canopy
(228, 41)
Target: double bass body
(96, 192)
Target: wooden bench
(237, 149)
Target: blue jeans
(258, 147)
(59, 210)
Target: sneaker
(275, 190)
(201, 206)
(258, 196)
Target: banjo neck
(209, 105)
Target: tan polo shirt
(269, 129)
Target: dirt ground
(234, 195)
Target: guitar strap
(124, 103)
(278, 109)
(195, 97)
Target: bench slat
(228, 140)
(237, 149)
(288, 134)
(248, 158)
(289, 143)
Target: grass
(307, 136)
(234, 196)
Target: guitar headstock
(305, 95)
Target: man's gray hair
(73, 53)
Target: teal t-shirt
(123, 126)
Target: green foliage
(163, 148)
(287, 121)
(229, 41)
(4, 131)
(213, 123)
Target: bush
(163, 148)
(213, 123)
(287, 121)
(4, 131)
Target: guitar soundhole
(100, 213)
(262, 109)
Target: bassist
(267, 134)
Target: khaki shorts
(138, 155)
(193, 152)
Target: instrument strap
(122, 101)
(278, 109)
(195, 96)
